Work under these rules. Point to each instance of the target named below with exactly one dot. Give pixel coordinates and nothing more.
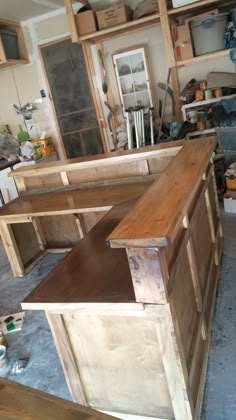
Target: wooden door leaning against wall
(68, 82)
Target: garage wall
(30, 78)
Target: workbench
(130, 307)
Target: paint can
(3, 341)
(218, 92)
(208, 94)
(3, 359)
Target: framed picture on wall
(133, 78)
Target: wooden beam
(71, 20)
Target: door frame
(95, 94)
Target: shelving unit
(202, 104)
(5, 62)
(202, 58)
(165, 18)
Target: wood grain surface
(21, 402)
(156, 218)
(92, 272)
(68, 202)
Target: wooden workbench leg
(11, 249)
(39, 233)
(65, 352)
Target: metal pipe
(143, 128)
(136, 128)
(151, 126)
(129, 128)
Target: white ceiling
(25, 9)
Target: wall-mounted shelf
(206, 102)
(202, 132)
(205, 57)
(10, 63)
(200, 5)
(121, 29)
(5, 61)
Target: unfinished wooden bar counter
(131, 321)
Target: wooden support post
(65, 352)
(64, 178)
(39, 233)
(11, 249)
(147, 277)
(71, 20)
(95, 93)
(80, 225)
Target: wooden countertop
(91, 272)
(21, 402)
(97, 160)
(156, 218)
(77, 201)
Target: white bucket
(3, 359)
(208, 33)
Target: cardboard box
(86, 22)
(182, 42)
(44, 147)
(230, 201)
(230, 177)
(114, 16)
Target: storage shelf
(207, 102)
(200, 132)
(121, 29)
(204, 57)
(202, 5)
(10, 63)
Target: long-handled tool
(104, 81)
(111, 121)
(164, 105)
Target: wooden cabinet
(15, 30)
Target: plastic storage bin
(179, 3)
(208, 33)
(10, 44)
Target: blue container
(232, 16)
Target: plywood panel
(202, 242)
(26, 240)
(158, 165)
(122, 170)
(60, 230)
(182, 298)
(89, 220)
(52, 180)
(116, 356)
(201, 354)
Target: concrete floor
(44, 370)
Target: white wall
(30, 78)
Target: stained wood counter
(130, 308)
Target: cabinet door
(73, 102)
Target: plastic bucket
(3, 359)
(232, 16)
(208, 33)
